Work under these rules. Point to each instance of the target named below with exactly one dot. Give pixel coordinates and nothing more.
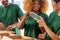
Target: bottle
(34, 15)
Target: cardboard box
(4, 33)
(14, 36)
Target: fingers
(2, 26)
(41, 36)
(39, 21)
(40, 26)
(9, 28)
(12, 26)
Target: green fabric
(9, 15)
(16, 30)
(58, 32)
(31, 26)
(54, 24)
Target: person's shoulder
(44, 14)
(1, 6)
(52, 15)
(54, 12)
(13, 4)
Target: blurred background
(20, 3)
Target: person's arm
(20, 24)
(19, 14)
(46, 21)
(42, 36)
(52, 35)
(59, 37)
(42, 29)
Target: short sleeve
(19, 12)
(50, 20)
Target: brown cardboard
(14, 36)
(4, 33)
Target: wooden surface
(9, 34)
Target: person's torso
(8, 15)
(32, 28)
(56, 23)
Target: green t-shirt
(31, 26)
(10, 14)
(54, 24)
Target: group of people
(47, 28)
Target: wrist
(44, 24)
(25, 17)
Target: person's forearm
(59, 37)
(52, 35)
(21, 23)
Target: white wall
(50, 9)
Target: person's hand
(41, 22)
(10, 27)
(42, 36)
(2, 26)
